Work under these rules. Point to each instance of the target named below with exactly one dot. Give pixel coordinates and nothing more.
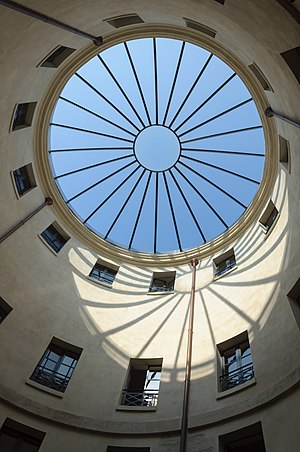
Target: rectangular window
(142, 386)
(5, 309)
(224, 263)
(292, 58)
(17, 437)
(55, 237)
(294, 298)
(236, 365)
(246, 439)
(124, 20)
(24, 179)
(57, 56)
(23, 115)
(284, 153)
(104, 274)
(162, 282)
(260, 77)
(200, 27)
(57, 365)
(269, 216)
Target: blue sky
(129, 122)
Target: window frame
(103, 269)
(20, 192)
(229, 259)
(50, 242)
(166, 288)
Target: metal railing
(162, 288)
(148, 397)
(225, 268)
(237, 377)
(52, 380)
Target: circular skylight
(156, 145)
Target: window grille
(104, 274)
(56, 367)
(17, 437)
(224, 263)
(53, 238)
(143, 385)
(162, 282)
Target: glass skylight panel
(156, 145)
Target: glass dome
(156, 145)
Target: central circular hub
(157, 148)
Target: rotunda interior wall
(51, 295)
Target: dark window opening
(54, 238)
(220, 1)
(143, 383)
(57, 365)
(5, 309)
(236, 362)
(247, 439)
(57, 57)
(24, 179)
(200, 27)
(268, 218)
(284, 153)
(294, 298)
(125, 20)
(162, 282)
(292, 58)
(23, 115)
(17, 437)
(103, 274)
(260, 77)
(127, 449)
(224, 263)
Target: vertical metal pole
(184, 421)
(48, 202)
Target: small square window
(162, 282)
(23, 115)
(5, 309)
(103, 273)
(57, 365)
(124, 20)
(57, 56)
(17, 437)
(224, 263)
(143, 381)
(246, 439)
(24, 179)
(268, 218)
(55, 237)
(236, 366)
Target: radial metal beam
(219, 151)
(91, 149)
(228, 132)
(100, 181)
(121, 89)
(155, 80)
(174, 82)
(188, 206)
(95, 165)
(213, 184)
(206, 101)
(172, 212)
(219, 115)
(106, 100)
(124, 204)
(221, 169)
(111, 194)
(137, 81)
(140, 210)
(203, 198)
(96, 114)
(191, 89)
(93, 132)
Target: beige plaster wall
(51, 295)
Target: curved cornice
(63, 213)
(270, 395)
